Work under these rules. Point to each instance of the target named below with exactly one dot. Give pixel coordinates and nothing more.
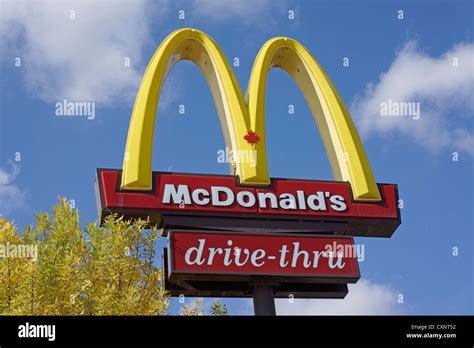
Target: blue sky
(409, 60)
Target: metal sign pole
(263, 300)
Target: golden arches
(345, 150)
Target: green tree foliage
(194, 309)
(218, 308)
(108, 270)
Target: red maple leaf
(251, 137)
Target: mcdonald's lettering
(352, 204)
(248, 199)
(222, 197)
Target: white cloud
(11, 197)
(364, 298)
(444, 92)
(223, 10)
(80, 58)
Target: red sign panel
(238, 256)
(221, 195)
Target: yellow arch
(196, 46)
(345, 150)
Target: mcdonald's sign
(248, 199)
(307, 258)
